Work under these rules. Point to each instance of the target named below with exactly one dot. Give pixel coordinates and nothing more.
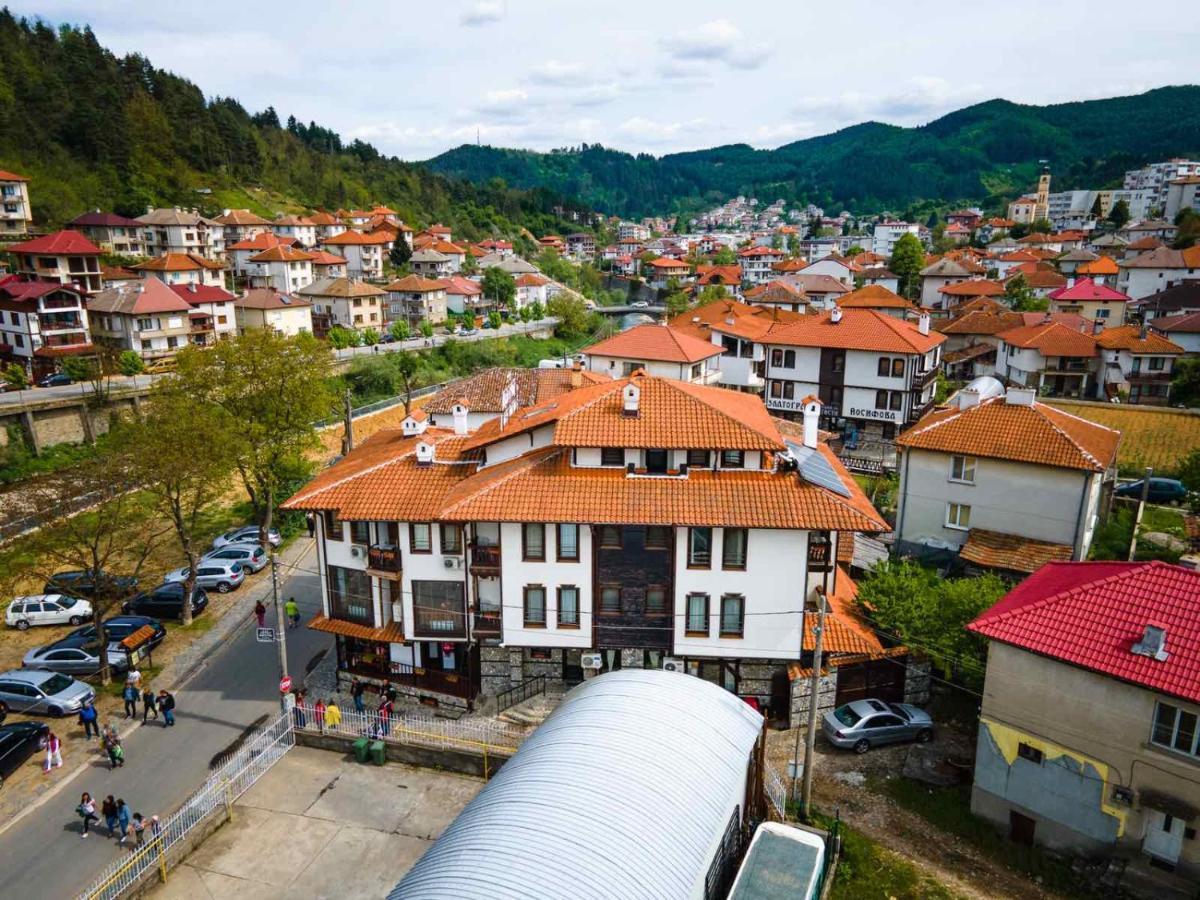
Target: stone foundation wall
(917, 682)
(826, 696)
(405, 693)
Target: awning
(392, 633)
(1167, 803)
(995, 550)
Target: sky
(657, 77)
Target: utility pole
(280, 621)
(1141, 507)
(348, 436)
(810, 736)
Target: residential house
(183, 268)
(870, 370)
(64, 257)
(1111, 649)
(286, 314)
(414, 299)
(347, 302)
(943, 273)
(239, 253)
(1182, 193)
(1102, 270)
(1040, 278)
(492, 393)
(838, 267)
(958, 234)
(327, 225)
(1141, 245)
(662, 271)
(1007, 482)
(453, 253)
(1023, 210)
(883, 241)
(16, 215)
(327, 265)
(492, 245)
(1099, 304)
(967, 218)
(821, 291)
(581, 245)
(40, 323)
(756, 263)
(1070, 261)
(531, 289)
(299, 229)
(659, 350)
(241, 224)
(465, 296)
(780, 295)
(1150, 272)
(511, 264)
(728, 277)
(1155, 228)
(111, 233)
(880, 299)
(430, 264)
(148, 318)
(182, 231)
(1138, 363)
(953, 295)
(363, 252)
(738, 329)
(994, 228)
(1182, 329)
(880, 276)
(283, 268)
(1051, 358)
(1006, 263)
(638, 523)
(1109, 243)
(212, 317)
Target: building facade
(16, 215)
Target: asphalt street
(42, 855)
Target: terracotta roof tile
(874, 296)
(1011, 552)
(416, 284)
(976, 287)
(264, 240)
(654, 343)
(178, 262)
(280, 253)
(731, 317)
(57, 244)
(1129, 337)
(859, 329)
(351, 236)
(1051, 339)
(1104, 265)
(482, 391)
(1087, 290)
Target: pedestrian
(109, 810)
(134, 677)
(385, 715)
(112, 745)
(87, 812)
(130, 695)
(88, 719)
(166, 702)
(122, 821)
(260, 612)
(53, 753)
(391, 693)
(149, 706)
(301, 718)
(293, 612)
(319, 715)
(311, 521)
(139, 827)
(357, 689)
(155, 826)
(333, 715)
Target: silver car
(221, 574)
(39, 691)
(75, 656)
(252, 556)
(864, 724)
(245, 535)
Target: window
(533, 541)
(360, 532)
(785, 359)
(885, 366)
(610, 599)
(1175, 729)
(535, 606)
(733, 459)
(451, 539)
(333, 528)
(697, 614)
(958, 516)
(699, 548)
(898, 367)
(439, 609)
(656, 600)
(733, 615)
(733, 548)
(568, 542)
(881, 399)
(697, 459)
(1031, 753)
(420, 537)
(350, 595)
(896, 401)
(656, 462)
(658, 537)
(568, 606)
(962, 468)
(610, 537)
(612, 456)
(1156, 363)
(696, 369)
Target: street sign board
(285, 684)
(265, 635)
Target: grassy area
(17, 461)
(949, 809)
(1113, 537)
(1168, 521)
(1150, 436)
(867, 871)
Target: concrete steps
(532, 712)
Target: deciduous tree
(908, 258)
(499, 286)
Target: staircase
(534, 711)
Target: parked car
(166, 602)
(47, 609)
(1162, 490)
(252, 556)
(58, 379)
(223, 574)
(39, 691)
(247, 534)
(18, 742)
(864, 724)
(640, 304)
(83, 583)
(118, 628)
(6, 386)
(75, 656)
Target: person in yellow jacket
(333, 715)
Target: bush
(340, 337)
(370, 337)
(400, 330)
(130, 363)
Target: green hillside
(985, 153)
(93, 130)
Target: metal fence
(777, 793)
(416, 728)
(166, 844)
(386, 403)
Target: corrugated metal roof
(623, 793)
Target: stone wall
(917, 682)
(72, 421)
(407, 693)
(826, 696)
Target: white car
(47, 609)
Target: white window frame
(967, 473)
(954, 516)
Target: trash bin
(360, 749)
(378, 753)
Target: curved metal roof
(623, 793)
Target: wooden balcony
(923, 378)
(819, 557)
(485, 560)
(486, 622)
(1147, 376)
(384, 561)
(441, 681)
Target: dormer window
(698, 459)
(733, 459)
(612, 456)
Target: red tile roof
(416, 284)
(1051, 339)
(727, 275)
(200, 293)
(874, 296)
(1129, 337)
(282, 254)
(60, 243)
(148, 296)
(102, 220)
(357, 237)
(731, 317)
(977, 287)
(325, 258)
(1087, 290)
(859, 329)
(11, 176)
(654, 343)
(264, 240)
(177, 262)
(1184, 323)
(1092, 614)
(457, 284)
(483, 391)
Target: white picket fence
(777, 793)
(415, 727)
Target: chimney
(812, 415)
(192, 287)
(576, 374)
(1020, 396)
(1143, 332)
(424, 454)
(631, 395)
(1071, 281)
(412, 426)
(923, 323)
(460, 418)
(1097, 326)
(836, 316)
(967, 398)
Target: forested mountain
(986, 153)
(95, 130)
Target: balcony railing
(923, 378)
(819, 557)
(52, 341)
(1150, 376)
(487, 621)
(485, 559)
(48, 303)
(383, 558)
(455, 683)
(440, 622)
(49, 325)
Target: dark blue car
(1162, 490)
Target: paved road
(78, 391)
(42, 856)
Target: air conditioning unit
(591, 660)
(670, 664)
(452, 562)
(357, 552)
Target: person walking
(53, 753)
(130, 695)
(293, 612)
(149, 706)
(311, 521)
(357, 689)
(166, 702)
(88, 718)
(139, 829)
(87, 812)
(122, 821)
(109, 810)
(385, 715)
(319, 715)
(298, 709)
(333, 715)
(260, 613)
(134, 677)
(112, 745)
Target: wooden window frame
(707, 457)
(525, 557)
(612, 450)
(687, 615)
(883, 367)
(559, 608)
(741, 632)
(333, 525)
(745, 550)
(898, 363)
(528, 623)
(665, 545)
(619, 545)
(600, 610)
(355, 525)
(694, 565)
(412, 538)
(443, 529)
(558, 552)
(741, 459)
(665, 604)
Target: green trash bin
(378, 753)
(360, 749)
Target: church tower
(1041, 209)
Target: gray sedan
(252, 556)
(74, 656)
(864, 724)
(38, 691)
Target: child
(139, 827)
(333, 715)
(319, 715)
(53, 753)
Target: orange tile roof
(666, 262)
(11, 176)
(846, 631)
(980, 304)
(1043, 278)
(706, 275)
(654, 343)
(1051, 339)
(481, 392)
(1010, 552)
(1129, 337)
(859, 329)
(978, 287)
(325, 258)
(731, 317)
(874, 296)
(324, 218)
(416, 284)
(777, 292)
(357, 237)
(789, 265)
(980, 322)
(177, 262)
(998, 429)
(281, 253)
(264, 240)
(241, 217)
(531, 279)
(1104, 265)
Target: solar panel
(815, 469)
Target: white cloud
(484, 12)
(645, 131)
(716, 41)
(507, 103)
(916, 100)
(553, 73)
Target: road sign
(265, 635)
(285, 684)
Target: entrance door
(1164, 836)
(1021, 828)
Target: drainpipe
(1079, 523)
